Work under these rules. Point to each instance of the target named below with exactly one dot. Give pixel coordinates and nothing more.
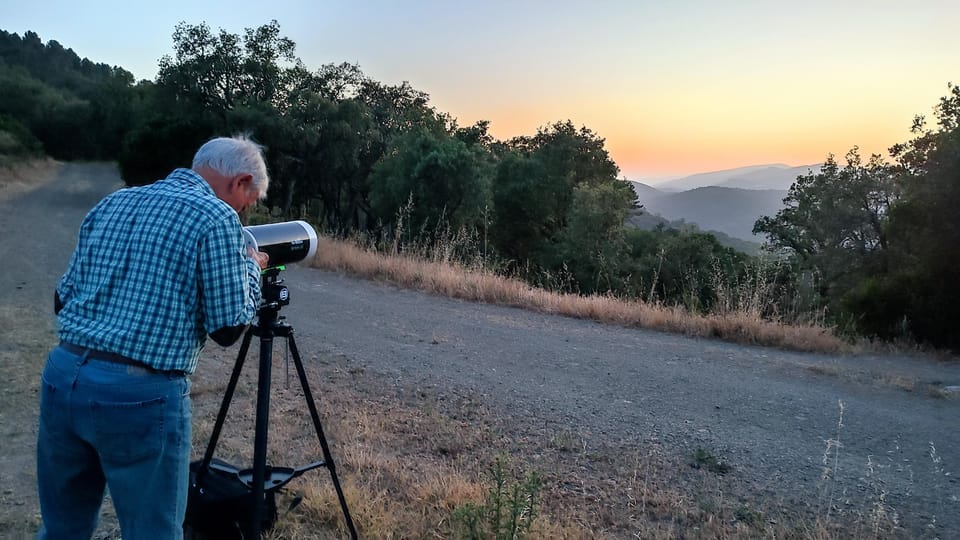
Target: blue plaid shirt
(155, 270)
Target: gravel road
(766, 412)
(891, 443)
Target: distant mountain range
(772, 176)
(728, 202)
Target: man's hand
(262, 258)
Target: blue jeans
(115, 425)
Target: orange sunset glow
(675, 88)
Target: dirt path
(775, 417)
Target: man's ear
(244, 181)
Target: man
(156, 269)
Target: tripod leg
(327, 457)
(227, 397)
(262, 425)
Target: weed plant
(703, 458)
(508, 512)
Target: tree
(264, 78)
(925, 224)
(592, 244)
(534, 190)
(205, 69)
(834, 223)
(214, 83)
(569, 157)
(883, 238)
(224, 70)
(519, 222)
(155, 147)
(318, 158)
(679, 267)
(445, 181)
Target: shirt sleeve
(64, 288)
(67, 283)
(229, 280)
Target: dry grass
(19, 177)
(408, 458)
(831, 371)
(405, 463)
(449, 279)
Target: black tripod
(264, 479)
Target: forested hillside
(55, 102)
(869, 247)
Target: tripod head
(272, 288)
(274, 294)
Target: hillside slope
(731, 211)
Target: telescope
(285, 243)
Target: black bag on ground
(220, 505)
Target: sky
(674, 87)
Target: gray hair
(234, 155)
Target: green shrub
(16, 140)
(507, 513)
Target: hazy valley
(726, 202)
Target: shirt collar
(191, 178)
